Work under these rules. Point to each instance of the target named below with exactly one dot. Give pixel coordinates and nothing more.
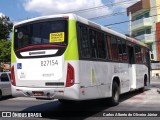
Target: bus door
(132, 67)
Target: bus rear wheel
(0, 95)
(115, 94)
(145, 84)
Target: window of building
(148, 31)
(146, 15)
(141, 16)
(144, 31)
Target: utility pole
(130, 24)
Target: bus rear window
(48, 32)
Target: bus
(70, 58)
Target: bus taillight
(70, 76)
(13, 81)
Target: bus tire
(0, 94)
(145, 84)
(115, 94)
(145, 80)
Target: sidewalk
(155, 83)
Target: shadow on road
(81, 110)
(6, 98)
(85, 109)
(56, 110)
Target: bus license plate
(38, 93)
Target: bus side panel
(120, 71)
(123, 73)
(96, 78)
(141, 70)
(88, 81)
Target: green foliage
(5, 50)
(5, 45)
(5, 27)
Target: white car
(5, 84)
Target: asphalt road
(134, 102)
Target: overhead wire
(107, 15)
(95, 8)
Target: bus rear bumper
(46, 93)
(69, 93)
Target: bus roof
(85, 21)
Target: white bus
(70, 58)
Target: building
(145, 24)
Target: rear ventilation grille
(54, 84)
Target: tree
(5, 45)
(5, 27)
(5, 50)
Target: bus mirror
(152, 56)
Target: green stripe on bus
(13, 56)
(92, 76)
(71, 52)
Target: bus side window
(141, 55)
(114, 48)
(108, 41)
(120, 50)
(124, 50)
(138, 56)
(84, 42)
(93, 41)
(144, 55)
(101, 46)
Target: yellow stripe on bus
(13, 56)
(71, 52)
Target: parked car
(5, 84)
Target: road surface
(134, 102)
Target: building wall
(158, 10)
(146, 4)
(155, 13)
(140, 8)
(141, 5)
(158, 39)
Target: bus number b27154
(49, 62)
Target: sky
(112, 11)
